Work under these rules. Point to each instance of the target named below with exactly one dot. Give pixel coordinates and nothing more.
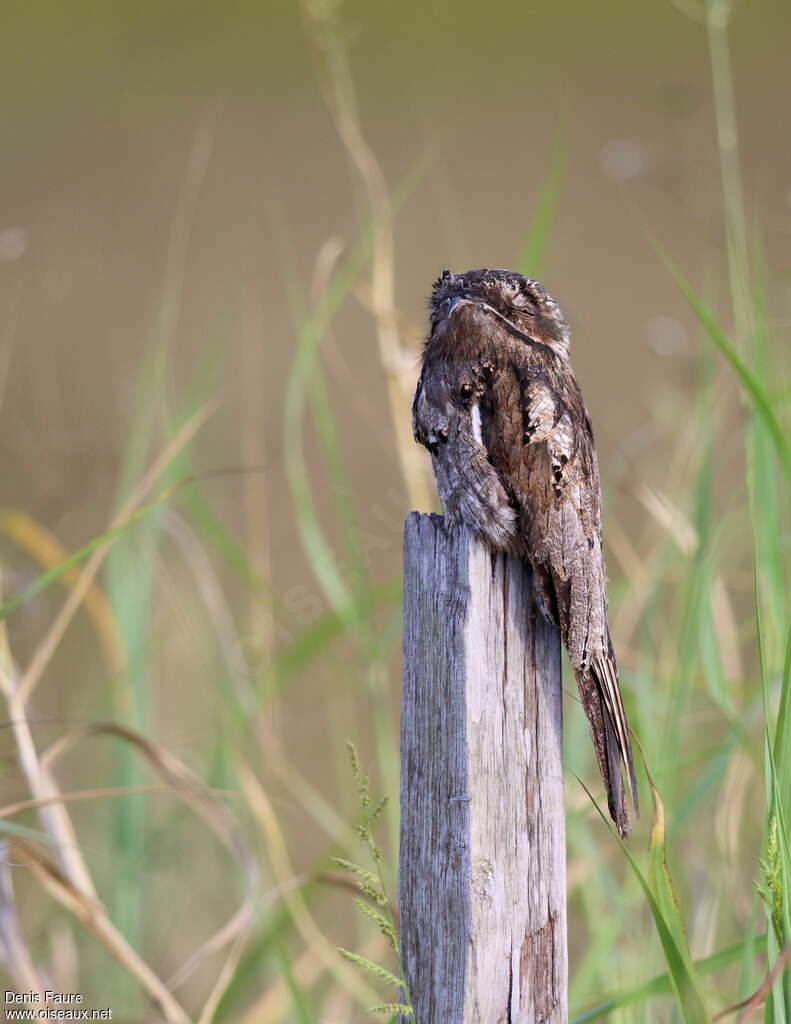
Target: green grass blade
(298, 394)
(683, 978)
(765, 490)
(13, 831)
(299, 1001)
(782, 747)
(661, 984)
(536, 244)
(660, 879)
(46, 579)
(751, 386)
(260, 957)
(777, 856)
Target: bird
(512, 448)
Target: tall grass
(691, 918)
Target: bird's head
(498, 301)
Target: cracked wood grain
(482, 860)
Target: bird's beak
(454, 303)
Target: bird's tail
(601, 698)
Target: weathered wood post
(482, 862)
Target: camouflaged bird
(499, 409)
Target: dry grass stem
(93, 917)
(277, 1001)
(54, 817)
(48, 552)
(87, 575)
(256, 510)
(191, 791)
(339, 94)
(219, 613)
(85, 794)
(304, 921)
(15, 955)
(750, 1005)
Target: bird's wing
(539, 439)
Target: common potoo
(499, 409)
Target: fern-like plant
(376, 905)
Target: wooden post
(482, 863)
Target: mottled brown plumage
(499, 409)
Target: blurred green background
(219, 230)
